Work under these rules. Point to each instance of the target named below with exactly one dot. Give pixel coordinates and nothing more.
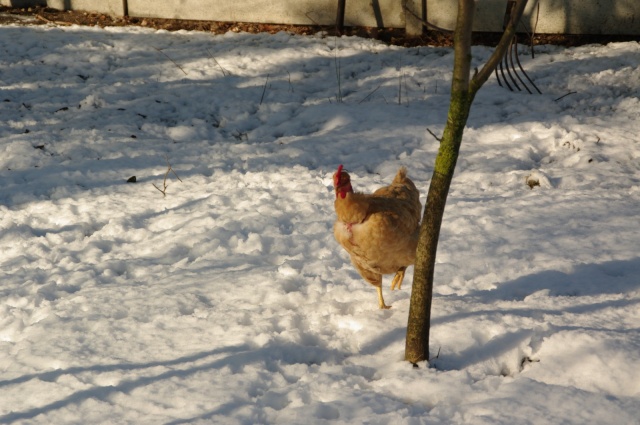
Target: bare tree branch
(501, 48)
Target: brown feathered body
(378, 230)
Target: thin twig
(504, 78)
(533, 32)
(164, 180)
(400, 88)
(290, 85)
(174, 173)
(174, 62)
(224, 71)
(525, 74)
(514, 51)
(501, 49)
(434, 135)
(506, 63)
(164, 183)
(406, 88)
(563, 96)
(42, 18)
(369, 95)
(264, 89)
(437, 355)
(337, 65)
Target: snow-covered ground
(228, 301)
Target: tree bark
(463, 91)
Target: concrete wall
(388, 13)
(555, 16)
(112, 7)
(109, 7)
(370, 13)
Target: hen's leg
(381, 303)
(397, 279)
(373, 278)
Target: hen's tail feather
(401, 176)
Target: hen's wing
(402, 188)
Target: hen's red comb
(337, 176)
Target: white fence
(547, 16)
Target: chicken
(379, 231)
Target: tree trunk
(417, 344)
(463, 91)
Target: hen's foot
(398, 278)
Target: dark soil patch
(47, 16)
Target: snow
(228, 300)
